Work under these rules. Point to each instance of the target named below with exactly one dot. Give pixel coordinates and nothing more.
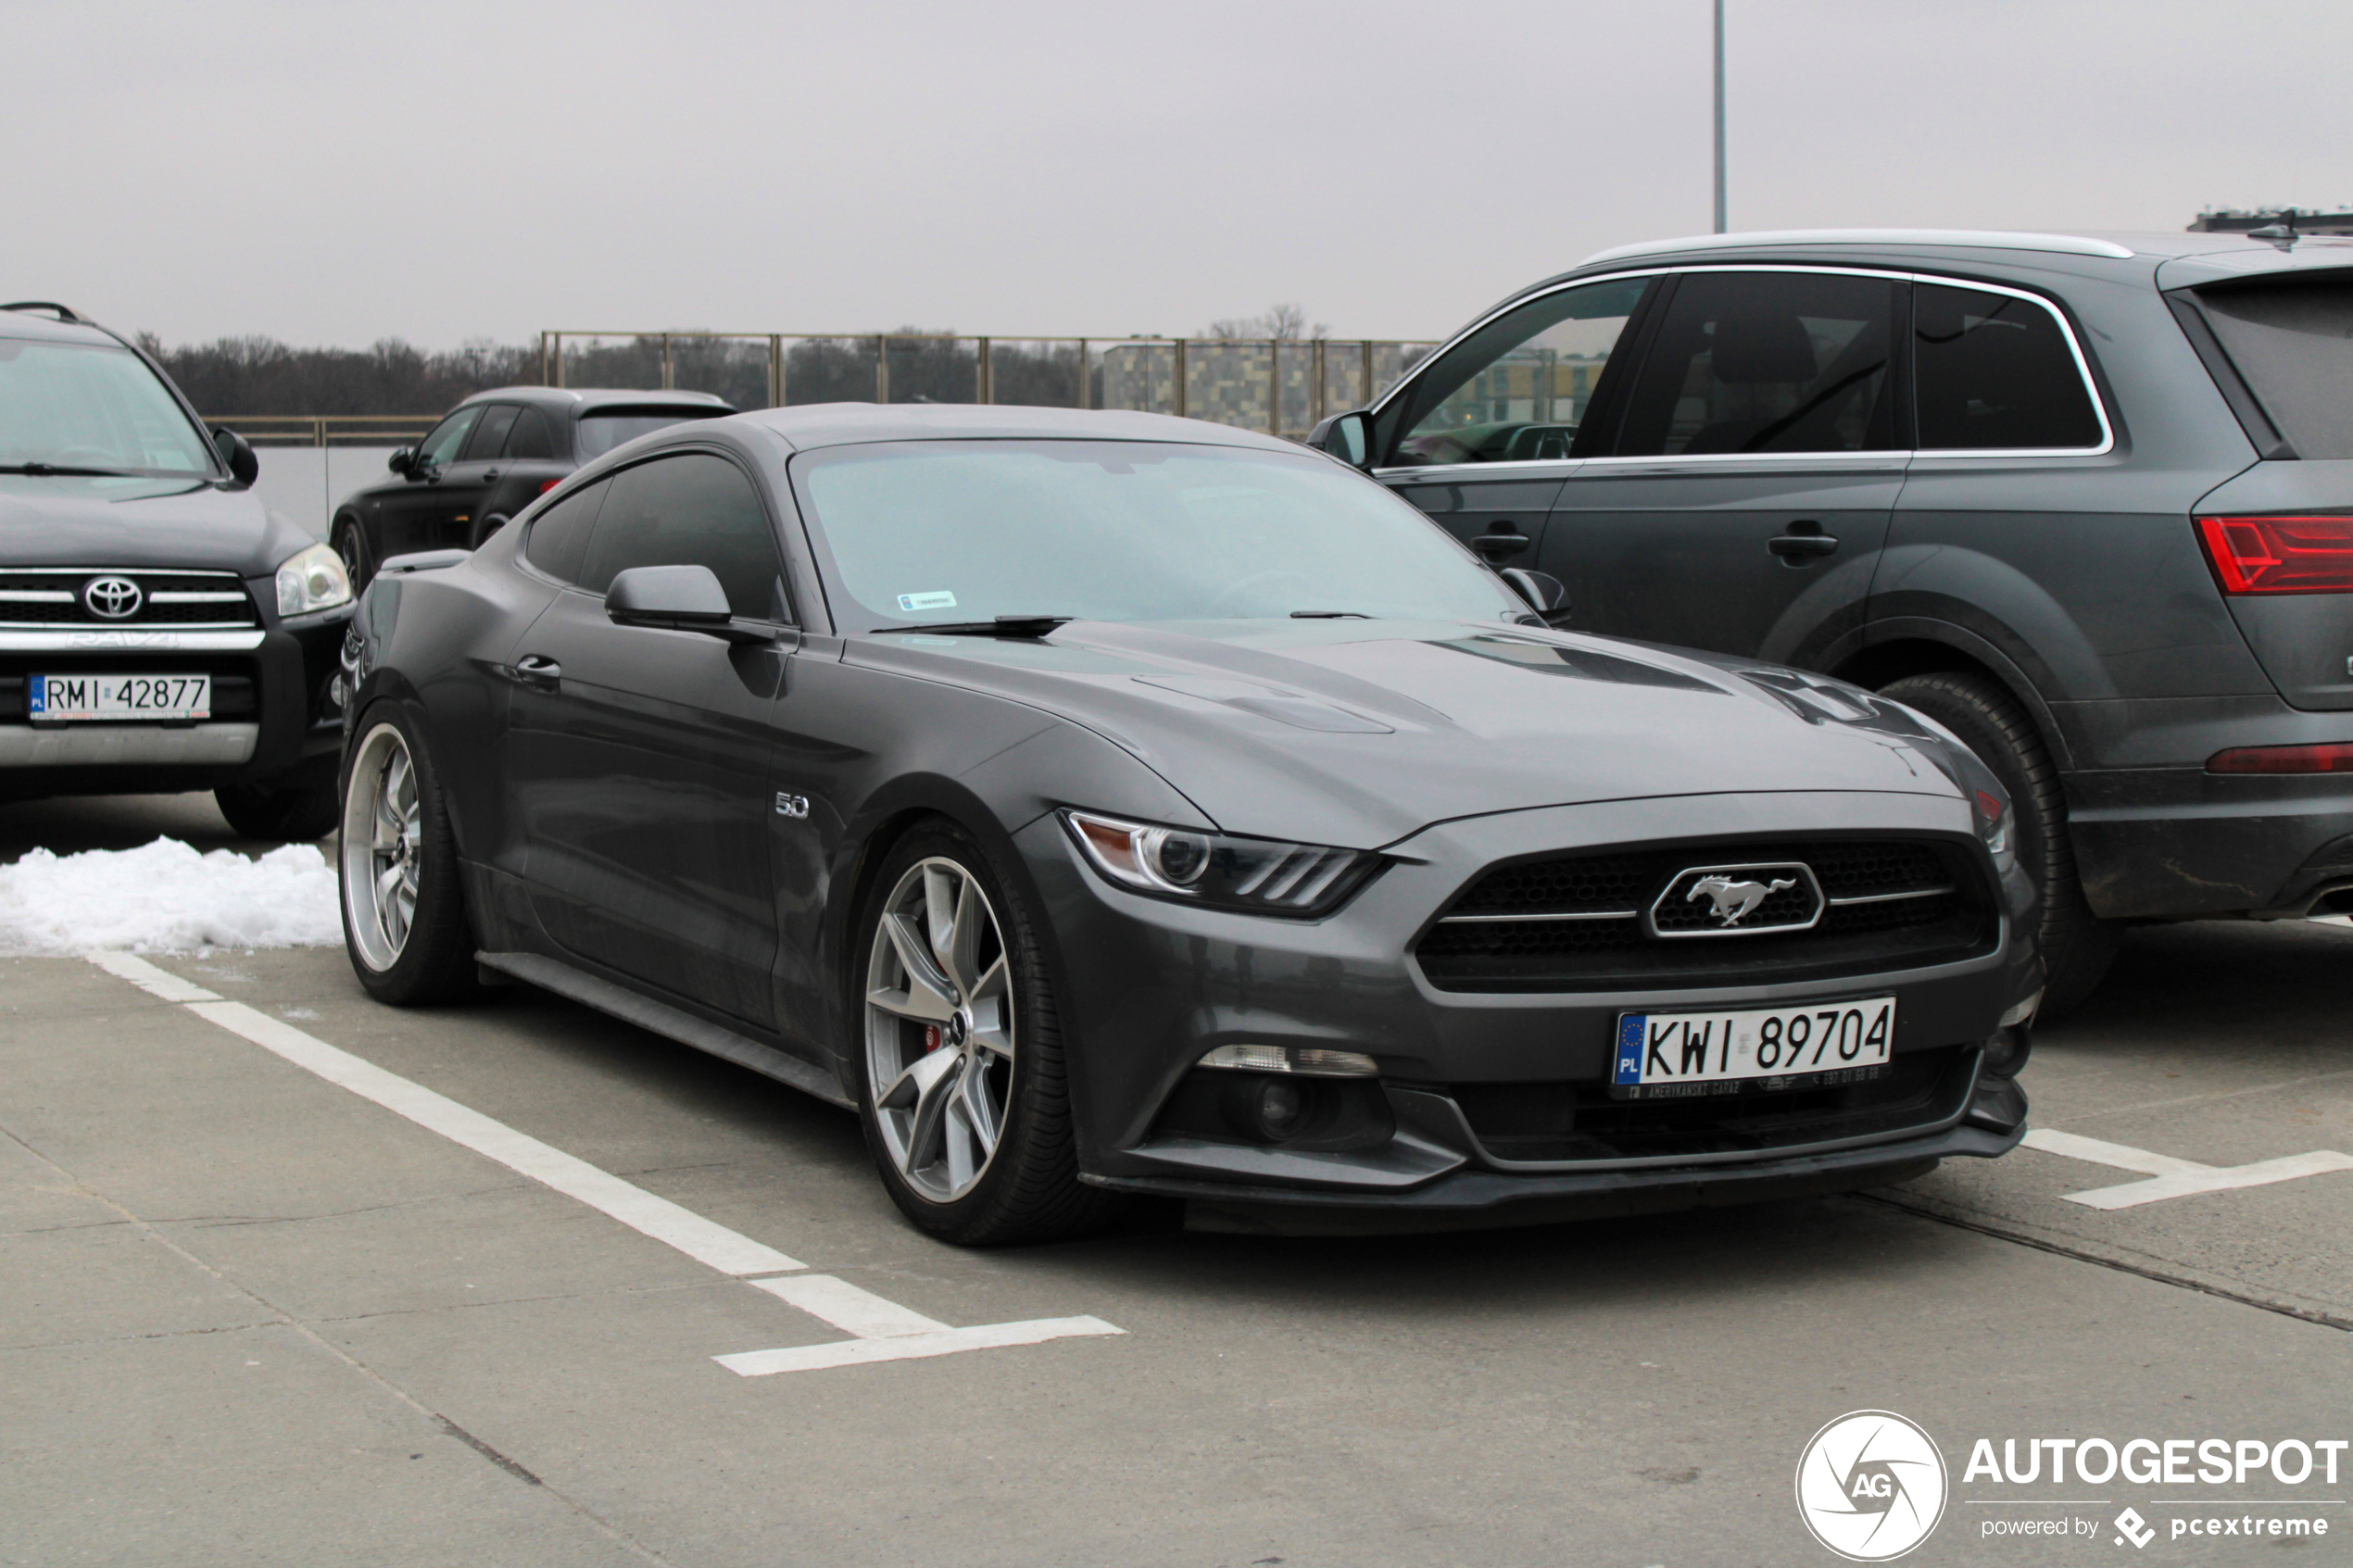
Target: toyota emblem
(112, 598)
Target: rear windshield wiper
(1003, 626)
(1329, 615)
(43, 469)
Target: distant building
(2230, 220)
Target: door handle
(490, 475)
(1803, 542)
(1497, 543)
(539, 671)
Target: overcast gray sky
(337, 172)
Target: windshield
(81, 405)
(599, 433)
(2294, 344)
(1128, 531)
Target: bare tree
(1284, 323)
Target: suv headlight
(312, 580)
(1262, 876)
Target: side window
(531, 440)
(1518, 387)
(1768, 362)
(558, 537)
(695, 509)
(1995, 370)
(490, 433)
(440, 445)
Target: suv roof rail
(62, 312)
(1993, 239)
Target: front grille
(1573, 1121)
(50, 598)
(1576, 921)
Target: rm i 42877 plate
(1668, 1055)
(56, 699)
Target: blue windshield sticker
(940, 600)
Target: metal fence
(1281, 386)
(326, 429)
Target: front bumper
(1146, 986)
(288, 724)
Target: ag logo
(1870, 1485)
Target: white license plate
(60, 700)
(1666, 1055)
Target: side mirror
(1347, 438)
(238, 454)
(1543, 593)
(402, 460)
(676, 598)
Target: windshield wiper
(1003, 626)
(1329, 615)
(44, 469)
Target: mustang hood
(68, 520)
(1360, 732)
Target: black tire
(297, 812)
(2076, 945)
(351, 543)
(434, 960)
(1029, 1190)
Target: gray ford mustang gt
(1104, 804)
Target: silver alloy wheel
(383, 842)
(939, 1029)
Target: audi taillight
(2333, 756)
(2280, 555)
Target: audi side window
(1995, 370)
(490, 433)
(694, 509)
(439, 448)
(558, 537)
(531, 440)
(1768, 362)
(1517, 389)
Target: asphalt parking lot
(256, 1309)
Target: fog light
(1281, 1107)
(1310, 1062)
(2007, 1049)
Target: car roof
(810, 425)
(25, 324)
(579, 400)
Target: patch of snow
(165, 898)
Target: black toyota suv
(2086, 501)
(490, 458)
(160, 628)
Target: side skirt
(552, 974)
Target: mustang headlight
(1262, 876)
(312, 580)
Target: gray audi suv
(2087, 501)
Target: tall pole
(1719, 117)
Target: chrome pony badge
(1737, 901)
(1734, 901)
(112, 598)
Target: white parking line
(885, 1330)
(2174, 1178)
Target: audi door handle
(1496, 546)
(536, 670)
(1801, 547)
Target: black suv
(2086, 501)
(491, 455)
(160, 628)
